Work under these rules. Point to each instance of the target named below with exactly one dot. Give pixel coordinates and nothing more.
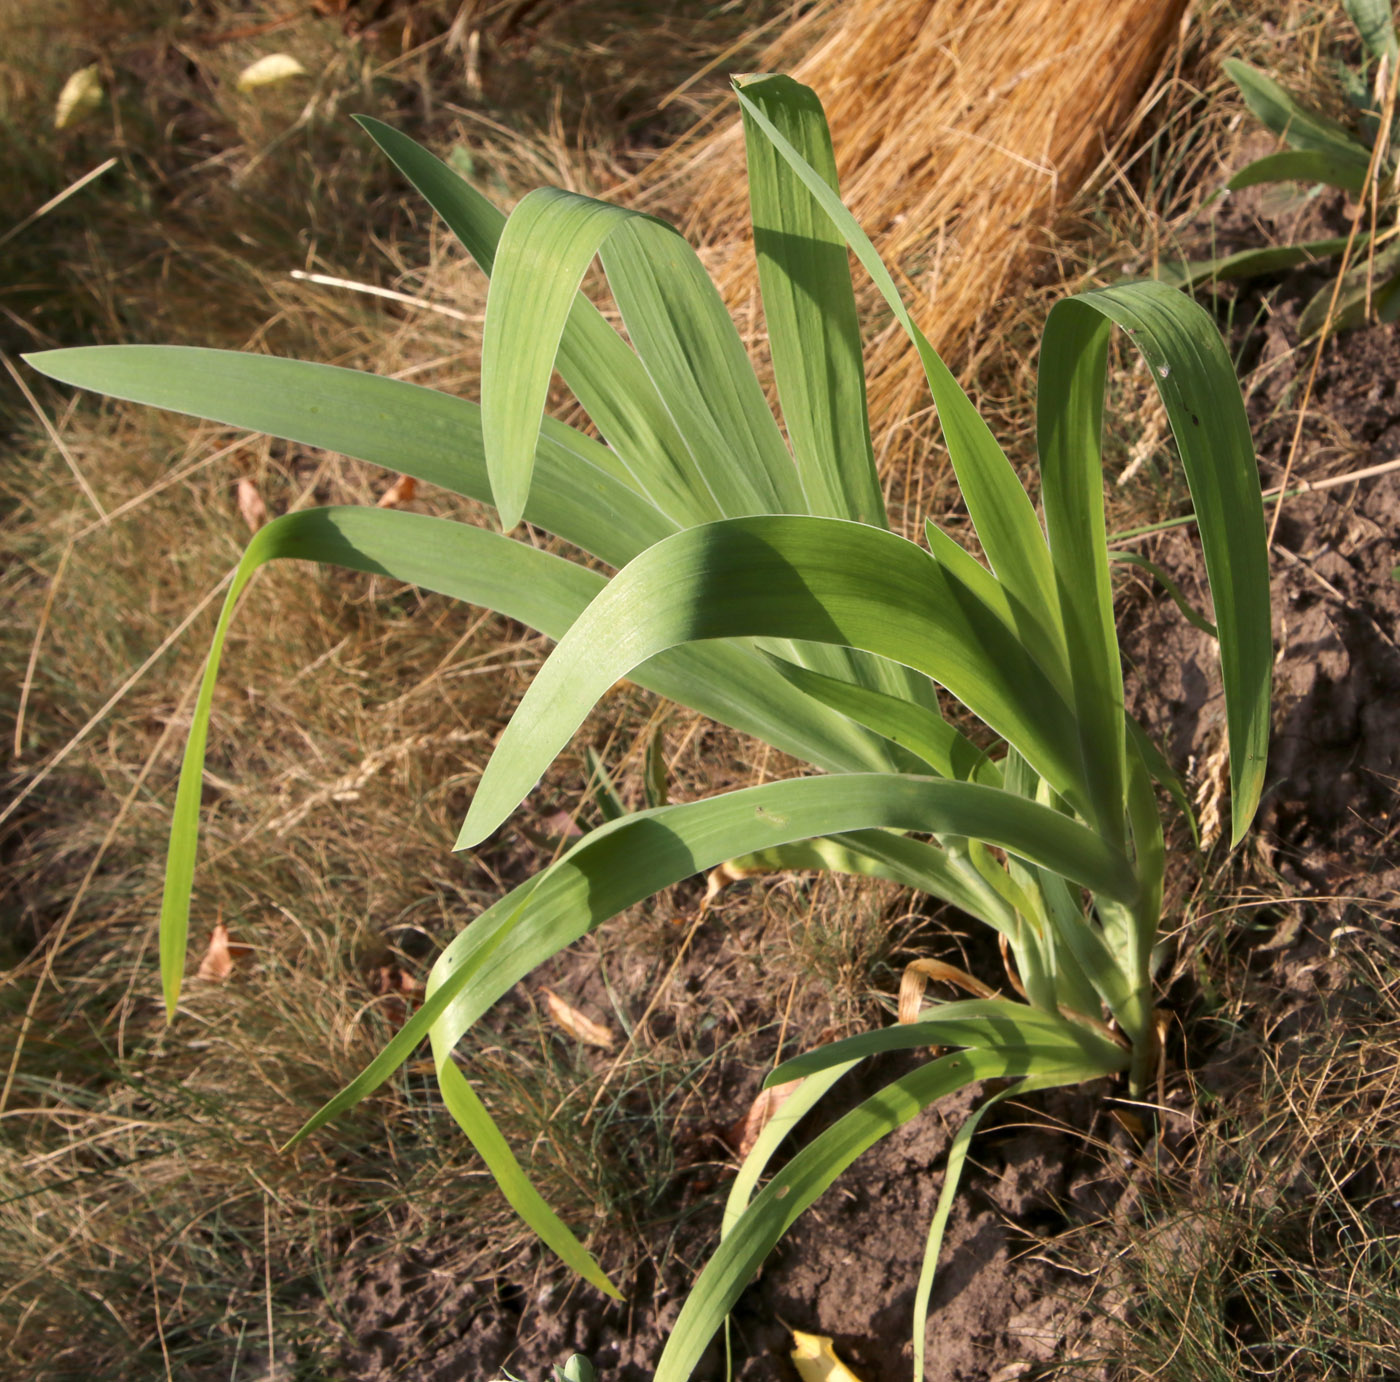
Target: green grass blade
(1044, 642)
(685, 337)
(437, 439)
(1253, 263)
(1369, 288)
(602, 788)
(952, 1176)
(814, 338)
(929, 868)
(810, 309)
(798, 1185)
(733, 684)
(1376, 25)
(1069, 435)
(1001, 511)
(1164, 774)
(1196, 382)
(1189, 612)
(789, 1114)
(1306, 165)
(819, 579)
(522, 581)
(1300, 125)
(689, 346)
(471, 1116)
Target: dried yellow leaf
(269, 71)
(400, 492)
(223, 955)
(250, 504)
(578, 1025)
(816, 1360)
(81, 95)
(746, 1131)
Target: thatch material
(962, 127)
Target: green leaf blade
(1301, 126)
(1326, 166)
(818, 579)
(810, 309)
(1000, 508)
(1196, 382)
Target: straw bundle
(961, 128)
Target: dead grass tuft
(1270, 1241)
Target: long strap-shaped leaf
(1302, 126)
(680, 329)
(932, 741)
(1251, 263)
(732, 684)
(1196, 382)
(814, 334)
(689, 346)
(1305, 165)
(437, 439)
(992, 1023)
(683, 336)
(1376, 23)
(630, 859)
(930, 868)
(810, 1172)
(1043, 643)
(593, 360)
(952, 1175)
(1001, 511)
(810, 309)
(1069, 433)
(784, 1120)
(422, 432)
(471, 1115)
(820, 579)
(675, 841)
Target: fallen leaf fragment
(222, 955)
(915, 979)
(250, 504)
(578, 1025)
(745, 1132)
(816, 1360)
(400, 492)
(269, 71)
(722, 875)
(81, 95)
(400, 991)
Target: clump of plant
(1323, 152)
(758, 581)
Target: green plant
(763, 586)
(1323, 151)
